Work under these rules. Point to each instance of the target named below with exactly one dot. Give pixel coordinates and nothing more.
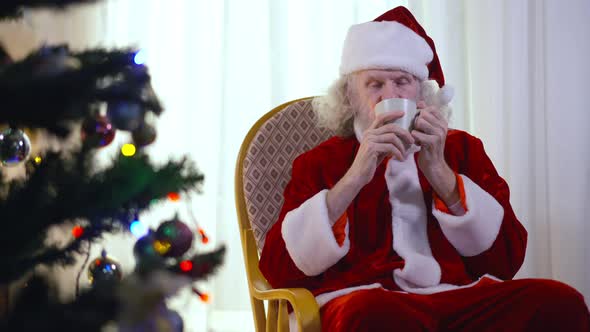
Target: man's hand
(430, 133)
(378, 142)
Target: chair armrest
(305, 307)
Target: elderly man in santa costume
(404, 230)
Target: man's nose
(390, 91)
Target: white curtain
(517, 67)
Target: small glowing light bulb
(140, 57)
(138, 229)
(186, 266)
(128, 150)
(173, 196)
(77, 231)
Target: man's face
(369, 87)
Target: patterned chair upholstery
(263, 170)
(267, 167)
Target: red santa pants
(516, 305)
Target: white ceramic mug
(399, 104)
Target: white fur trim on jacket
(309, 237)
(385, 45)
(475, 231)
(409, 218)
(437, 288)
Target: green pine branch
(53, 87)
(67, 188)
(13, 9)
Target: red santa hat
(394, 40)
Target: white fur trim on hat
(385, 45)
(309, 238)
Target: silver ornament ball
(104, 269)
(15, 147)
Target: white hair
(334, 110)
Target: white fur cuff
(309, 237)
(475, 231)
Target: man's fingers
(389, 149)
(424, 140)
(435, 113)
(380, 119)
(388, 138)
(424, 126)
(428, 123)
(403, 134)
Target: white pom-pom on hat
(446, 94)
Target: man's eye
(375, 85)
(402, 81)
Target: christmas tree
(51, 94)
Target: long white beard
(359, 129)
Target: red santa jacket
(396, 237)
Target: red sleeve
(506, 255)
(275, 263)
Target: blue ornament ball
(144, 247)
(125, 115)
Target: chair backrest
(263, 169)
(265, 160)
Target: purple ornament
(177, 234)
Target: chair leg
(271, 317)
(283, 319)
(259, 314)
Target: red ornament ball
(98, 131)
